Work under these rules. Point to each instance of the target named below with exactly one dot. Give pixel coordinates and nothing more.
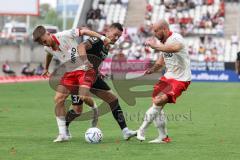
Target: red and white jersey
(177, 64)
(68, 53)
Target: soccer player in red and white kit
(177, 78)
(78, 74)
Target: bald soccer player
(177, 78)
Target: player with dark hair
(96, 52)
(77, 74)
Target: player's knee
(160, 100)
(59, 99)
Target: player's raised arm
(47, 63)
(87, 32)
(166, 43)
(168, 48)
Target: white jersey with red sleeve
(68, 53)
(177, 64)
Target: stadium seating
(111, 11)
(202, 18)
(193, 18)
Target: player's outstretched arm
(87, 32)
(168, 48)
(47, 63)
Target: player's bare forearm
(168, 48)
(48, 61)
(90, 33)
(157, 65)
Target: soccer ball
(93, 135)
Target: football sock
(95, 115)
(61, 122)
(160, 122)
(150, 115)
(71, 115)
(118, 114)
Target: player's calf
(60, 117)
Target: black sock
(118, 114)
(71, 115)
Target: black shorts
(99, 84)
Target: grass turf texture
(206, 126)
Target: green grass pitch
(206, 125)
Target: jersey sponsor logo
(73, 55)
(168, 55)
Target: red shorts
(171, 87)
(72, 80)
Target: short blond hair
(38, 32)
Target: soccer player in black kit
(96, 52)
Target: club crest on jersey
(168, 55)
(73, 55)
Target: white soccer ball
(93, 135)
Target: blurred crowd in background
(201, 22)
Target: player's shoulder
(176, 37)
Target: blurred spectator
(237, 64)
(90, 14)
(202, 50)
(183, 12)
(149, 8)
(27, 71)
(98, 13)
(39, 70)
(7, 69)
